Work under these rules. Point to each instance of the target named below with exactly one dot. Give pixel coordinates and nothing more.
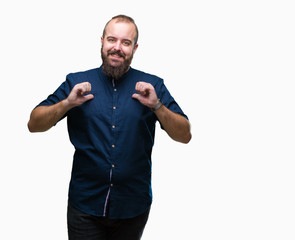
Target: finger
(135, 96)
(140, 85)
(142, 89)
(88, 97)
(137, 86)
(84, 88)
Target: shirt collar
(109, 79)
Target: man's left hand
(146, 94)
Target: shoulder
(146, 77)
(83, 76)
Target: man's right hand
(44, 117)
(79, 94)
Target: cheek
(106, 48)
(127, 51)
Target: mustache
(117, 52)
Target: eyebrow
(127, 40)
(123, 40)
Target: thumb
(140, 98)
(136, 96)
(88, 97)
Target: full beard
(116, 72)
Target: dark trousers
(82, 226)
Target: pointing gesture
(146, 94)
(77, 95)
(44, 117)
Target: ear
(135, 47)
(101, 40)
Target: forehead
(122, 30)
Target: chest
(112, 105)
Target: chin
(115, 63)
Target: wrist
(67, 104)
(157, 105)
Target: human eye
(111, 40)
(126, 43)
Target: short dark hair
(123, 18)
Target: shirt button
(113, 126)
(113, 165)
(112, 184)
(115, 89)
(114, 107)
(113, 146)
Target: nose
(117, 46)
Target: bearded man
(111, 115)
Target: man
(111, 114)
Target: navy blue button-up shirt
(113, 136)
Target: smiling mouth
(116, 54)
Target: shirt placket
(113, 146)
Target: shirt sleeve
(59, 94)
(167, 100)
